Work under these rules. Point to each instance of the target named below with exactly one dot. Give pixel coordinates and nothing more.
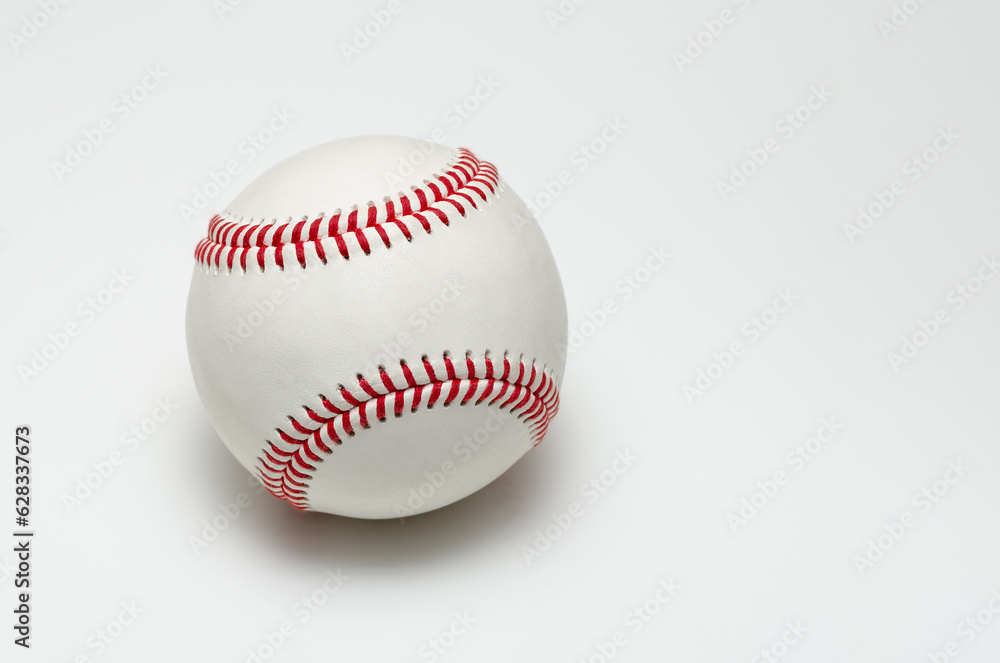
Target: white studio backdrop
(776, 224)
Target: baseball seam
(285, 465)
(235, 245)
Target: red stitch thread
(408, 374)
(385, 238)
(435, 394)
(422, 199)
(453, 190)
(487, 391)
(286, 472)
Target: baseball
(376, 327)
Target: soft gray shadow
(492, 516)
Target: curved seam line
(224, 237)
(546, 400)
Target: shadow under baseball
(493, 517)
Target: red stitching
(285, 471)
(440, 198)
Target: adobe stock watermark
(6, 569)
(923, 501)
(366, 33)
(899, 17)
(912, 170)
(582, 158)
(968, 630)
(712, 30)
(130, 441)
(261, 311)
(438, 645)
(785, 129)
(625, 289)
(635, 620)
(911, 344)
(453, 118)
(122, 107)
(752, 330)
(796, 460)
(203, 196)
(103, 638)
(224, 8)
(463, 451)
(226, 514)
(783, 644)
(32, 24)
(591, 492)
(562, 12)
(59, 341)
(310, 603)
(419, 320)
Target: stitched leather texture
(374, 352)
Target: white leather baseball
(375, 338)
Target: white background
(796, 560)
